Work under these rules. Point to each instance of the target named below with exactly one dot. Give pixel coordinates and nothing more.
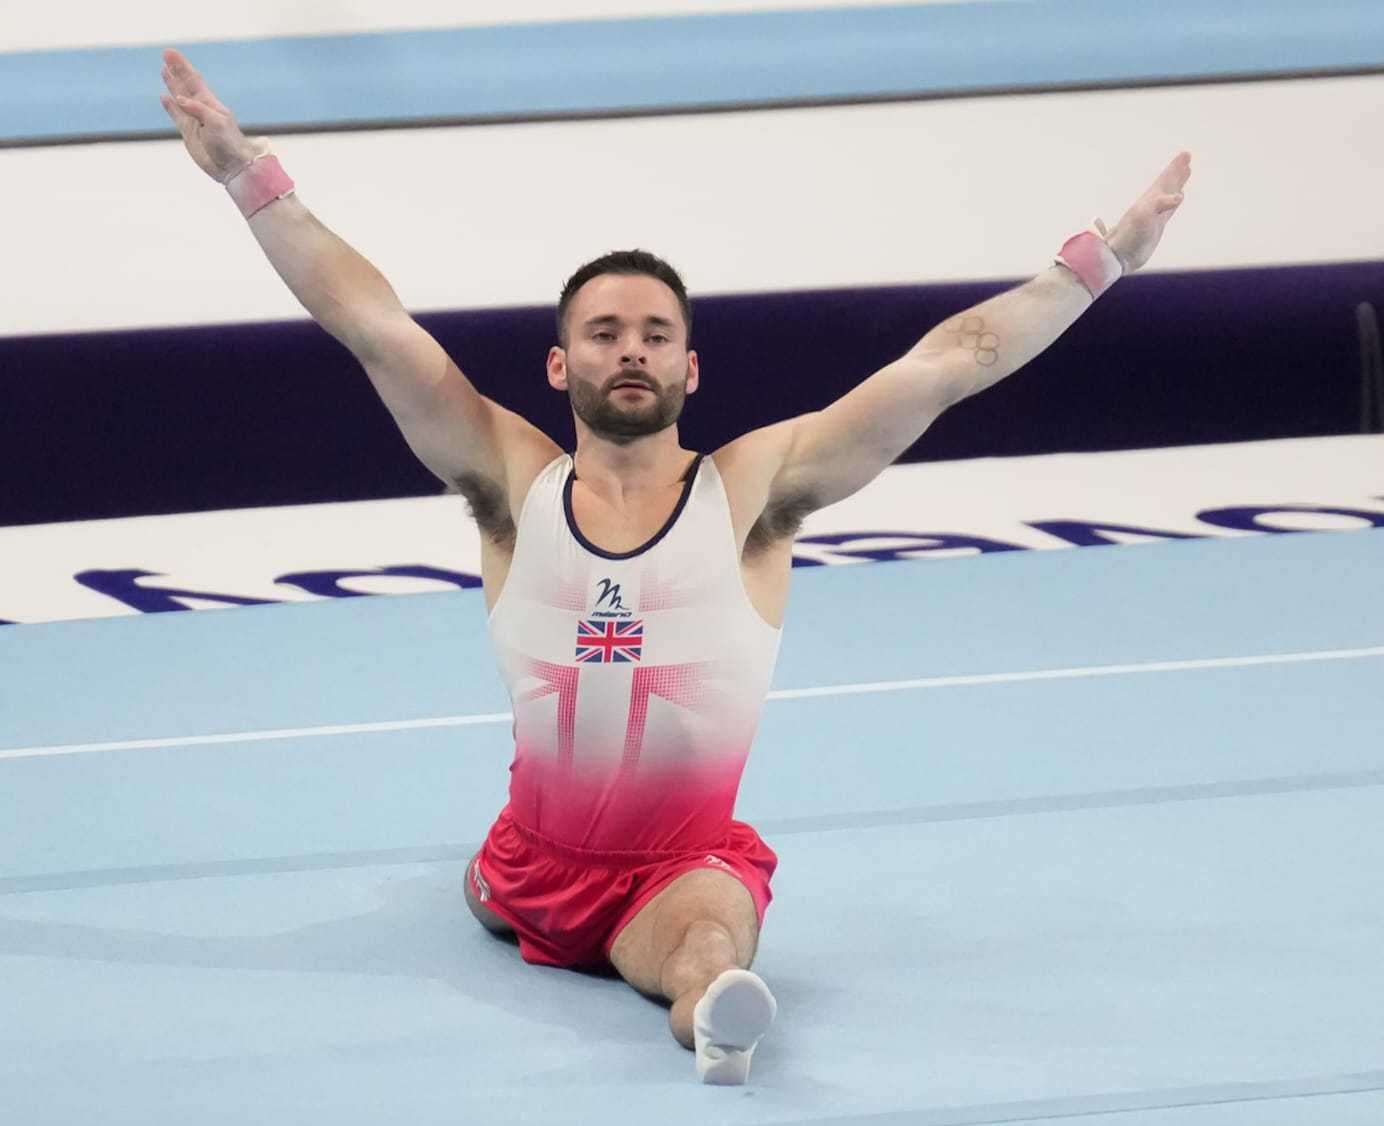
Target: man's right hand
(208, 128)
(456, 431)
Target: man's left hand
(1139, 230)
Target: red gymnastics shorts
(567, 905)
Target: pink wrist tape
(1090, 258)
(258, 184)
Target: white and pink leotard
(637, 679)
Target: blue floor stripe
(771, 827)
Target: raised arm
(465, 438)
(830, 454)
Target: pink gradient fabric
(568, 906)
(637, 681)
(633, 747)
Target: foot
(727, 1023)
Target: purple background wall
(128, 423)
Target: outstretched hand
(1139, 230)
(208, 128)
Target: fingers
(199, 111)
(182, 78)
(181, 75)
(185, 122)
(1174, 177)
(190, 95)
(177, 73)
(1165, 193)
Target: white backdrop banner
(969, 189)
(103, 568)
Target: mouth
(632, 385)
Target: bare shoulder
(495, 498)
(764, 509)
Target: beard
(623, 422)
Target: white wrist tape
(1090, 258)
(259, 184)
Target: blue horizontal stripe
(685, 62)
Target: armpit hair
(781, 520)
(489, 507)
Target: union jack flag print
(600, 643)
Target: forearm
(447, 422)
(833, 452)
(997, 337)
(341, 290)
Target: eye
(659, 338)
(603, 335)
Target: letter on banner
(1246, 517)
(895, 546)
(124, 587)
(1089, 533)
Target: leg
(484, 915)
(684, 938)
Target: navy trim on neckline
(689, 479)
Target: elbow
(949, 379)
(368, 334)
(944, 375)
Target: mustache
(636, 377)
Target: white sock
(727, 1022)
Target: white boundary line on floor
(781, 694)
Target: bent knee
(718, 904)
(708, 934)
(707, 948)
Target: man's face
(626, 367)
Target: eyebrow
(612, 319)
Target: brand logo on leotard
(612, 591)
(717, 862)
(609, 597)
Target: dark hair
(628, 262)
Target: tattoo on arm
(970, 333)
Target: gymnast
(667, 568)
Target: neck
(621, 471)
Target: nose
(632, 351)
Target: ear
(557, 368)
(694, 372)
